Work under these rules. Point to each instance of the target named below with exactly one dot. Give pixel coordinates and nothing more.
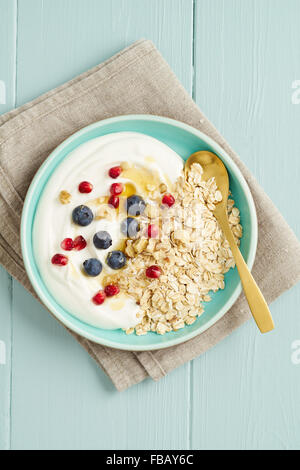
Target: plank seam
(194, 52)
(11, 284)
(191, 367)
(16, 4)
(11, 355)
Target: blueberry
(92, 267)
(83, 216)
(135, 205)
(102, 240)
(116, 259)
(130, 227)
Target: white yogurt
(53, 222)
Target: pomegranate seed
(99, 298)
(85, 187)
(153, 231)
(116, 189)
(115, 172)
(168, 200)
(114, 201)
(67, 244)
(79, 243)
(111, 290)
(154, 272)
(60, 260)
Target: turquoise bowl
(184, 140)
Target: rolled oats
(192, 253)
(105, 212)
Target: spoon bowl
(212, 167)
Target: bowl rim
(25, 219)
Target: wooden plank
(8, 54)
(7, 101)
(61, 400)
(79, 34)
(246, 390)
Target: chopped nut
(163, 188)
(65, 197)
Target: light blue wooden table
(239, 59)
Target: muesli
(180, 257)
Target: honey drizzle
(140, 179)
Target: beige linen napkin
(135, 81)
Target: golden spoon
(213, 166)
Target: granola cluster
(191, 252)
(65, 197)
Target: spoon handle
(258, 306)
